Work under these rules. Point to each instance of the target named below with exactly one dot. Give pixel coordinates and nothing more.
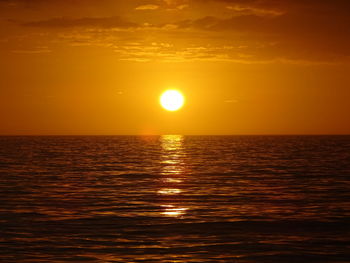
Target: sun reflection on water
(171, 210)
(172, 180)
(173, 170)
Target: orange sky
(245, 67)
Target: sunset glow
(243, 67)
(175, 131)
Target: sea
(174, 198)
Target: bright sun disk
(172, 100)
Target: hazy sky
(245, 66)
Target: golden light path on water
(173, 169)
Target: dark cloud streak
(101, 22)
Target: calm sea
(175, 199)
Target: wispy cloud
(249, 10)
(147, 7)
(36, 50)
(167, 52)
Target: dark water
(175, 199)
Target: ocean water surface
(175, 198)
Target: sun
(172, 100)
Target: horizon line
(253, 134)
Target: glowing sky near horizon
(246, 67)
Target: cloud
(247, 10)
(168, 52)
(237, 23)
(181, 7)
(271, 30)
(147, 7)
(100, 22)
(36, 50)
(176, 5)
